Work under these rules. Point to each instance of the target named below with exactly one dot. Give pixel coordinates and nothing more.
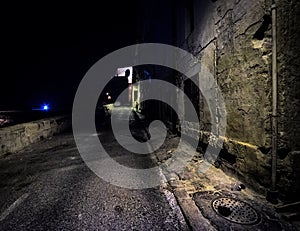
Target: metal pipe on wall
(273, 193)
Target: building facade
(234, 40)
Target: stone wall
(289, 96)
(233, 39)
(16, 137)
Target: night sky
(47, 49)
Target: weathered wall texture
(234, 41)
(289, 95)
(15, 138)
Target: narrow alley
(150, 115)
(48, 186)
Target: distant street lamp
(45, 107)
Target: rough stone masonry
(234, 40)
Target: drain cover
(235, 210)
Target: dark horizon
(47, 51)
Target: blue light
(45, 107)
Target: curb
(192, 214)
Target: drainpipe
(272, 195)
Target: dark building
(235, 41)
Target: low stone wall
(16, 137)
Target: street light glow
(45, 107)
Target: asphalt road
(47, 186)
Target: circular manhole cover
(235, 210)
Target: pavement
(47, 186)
(202, 192)
(196, 191)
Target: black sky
(47, 49)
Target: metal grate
(235, 210)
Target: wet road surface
(47, 186)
